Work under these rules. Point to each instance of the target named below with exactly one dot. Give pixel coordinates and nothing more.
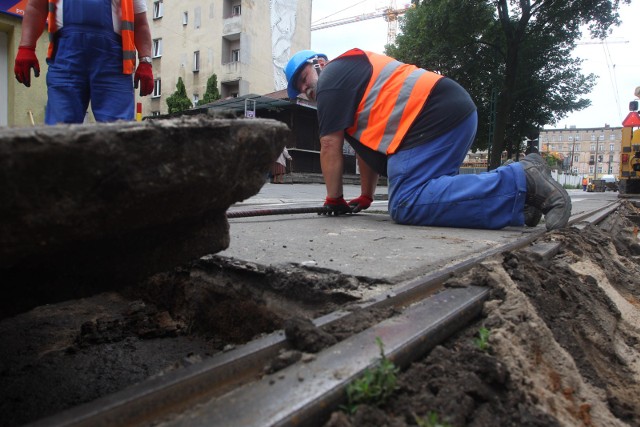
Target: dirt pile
(564, 342)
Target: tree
(179, 101)
(514, 58)
(212, 93)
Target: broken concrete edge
(88, 207)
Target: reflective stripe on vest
(127, 28)
(393, 99)
(128, 40)
(51, 17)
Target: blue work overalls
(87, 67)
(425, 188)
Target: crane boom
(604, 42)
(348, 20)
(390, 14)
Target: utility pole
(595, 163)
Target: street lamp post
(573, 150)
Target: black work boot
(545, 193)
(532, 215)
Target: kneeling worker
(415, 127)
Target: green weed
(431, 420)
(482, 341)
(375, 385)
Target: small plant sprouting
(482, 341)
(431, 420)
(375, 385)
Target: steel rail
(235, 376)
(277, 211)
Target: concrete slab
(367, 244)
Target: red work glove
(337, 206)
(26, 60)
(144, 75)
(360, 203)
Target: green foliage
(431, 420)
(376, 384)
(212, 93)
(514, 58)
(179, 101)
(482, 340)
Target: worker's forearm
(35, 17)
(368, 179)
(142, 34)
(332, 163)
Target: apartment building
(245, 43)
(590, 152)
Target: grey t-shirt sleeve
(340, 88)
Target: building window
(593, 137)
(158, 10)
(577, 137)
(612, 147)
(157, 48)
(235, 55)
(185, 18)
(196, 61)
(576, 158)
(593, 147)
(601, 137)
(601, 147)
(612, 137)
(157, 88)
(236, 10)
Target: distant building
(590, 152)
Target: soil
(563, 346)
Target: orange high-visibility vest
(393, 99)
(127, 25)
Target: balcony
(232, 71)
(232, 27)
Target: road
(368, 244)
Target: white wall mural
(283, 25)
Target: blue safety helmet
(295, 65)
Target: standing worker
(91, 56)
(415, 127)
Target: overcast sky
(617, 64)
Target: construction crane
(603, 42)
(389, 13)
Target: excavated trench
(564, 344)
(57, 356)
